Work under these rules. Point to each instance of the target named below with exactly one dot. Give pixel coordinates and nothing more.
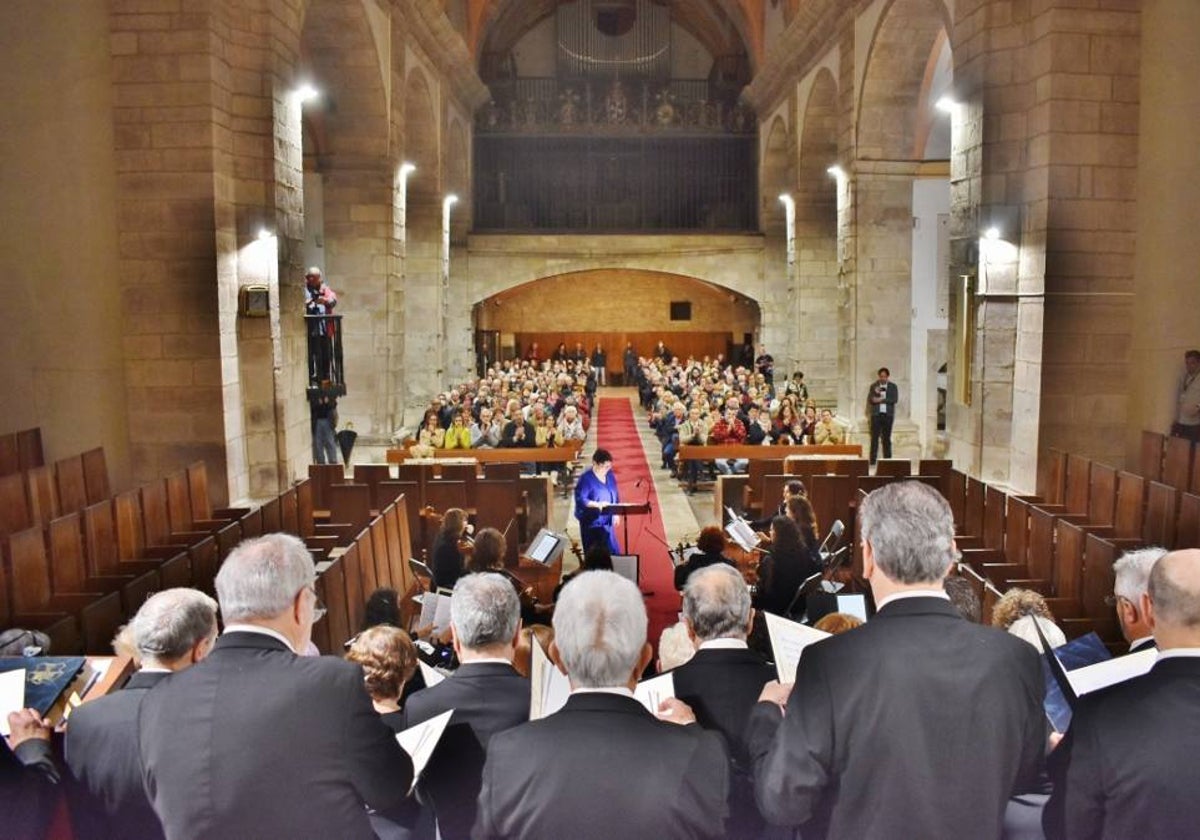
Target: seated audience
(603, 765)
(222, 743)
(693, 431)
(486, 431)
(431, 436)
(711, 545)
(876, 742)
(722, 681)
(485, 692)
(1131, 579)
(172, 630)
(827, 430)
(1129, 763)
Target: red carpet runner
(617, 432)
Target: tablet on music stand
(546, 547)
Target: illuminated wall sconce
(789, 207)
(306, 93)
(946, 104)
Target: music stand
(627, 510)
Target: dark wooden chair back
(42, 494)
(1079, 484)
(14, 505)
(1187, 532)
(1152, 455)
(1177, 463)
(1130, 514)
(1159, 527)
(895, 467)
(71, 485)
(350, 504)
(29, 449)
(1052, 476)
(95, 475)
(1102, 495)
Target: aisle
(617, 431)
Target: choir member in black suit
(172, 630)
(256, 741)
(1130, 763)
(486, 694)
(603, 766)
(722, 681)
(1131, 577)
(917, 724)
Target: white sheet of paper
(626, 565)
(788, 641)
(650, 693)
(435, 610)
(419, 741)
(12, 696)
(1111, 671)
(549, 686)
(431, 675)
(855, 605)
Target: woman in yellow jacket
(458, 436)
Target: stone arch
(777, 177)
(816, 191)
(421, 137)
(338, 55)
(889, 105)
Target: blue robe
(596, 525)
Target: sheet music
(431, 675)
(549, 687)
(740, 532)
(1111, 671)
(650, 693)
(12, 696)
(788, 641)
(419, 741)
(855, 605)
(435, 610)
(626, 565)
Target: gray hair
(911, 529)
(171, 622)
(260, 578)
(1174, 590)
(1131, 573)
(716, 603)
(600, 629)
(484, 610)
(674, 647)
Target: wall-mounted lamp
(306, 93)
(263, 233)
(1000, 222)
(407, 169)
(992, 233)
(837, 172)
(946, 104)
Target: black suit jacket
(722, 686)
(487, 697)
(258, 742)
(107, 798)
(1129, 766)
(603, 767)
(917, 724)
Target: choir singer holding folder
(595, 491)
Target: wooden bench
(741, 451)
(512, 455)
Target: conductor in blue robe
(595, 490)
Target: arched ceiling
(724, 27)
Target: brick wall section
(165, 115)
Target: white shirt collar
(723, 644)
(493, 660)
(1179, 653)
(1141, 642)
(619, 690)
(262, 631)
(913, 593)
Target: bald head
(1175, 598)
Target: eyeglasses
(319, 608)
(1114, 599)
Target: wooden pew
(995, 503)
(43, 494)
(466, 473)
(349, 504)
(756, 473)
(895, 467)
(71, 485)
(690, 452)
(1187, 532)
(497, 505)
(380, 551)
(974, 501)
(62, 628)
(1152, 455)
(14, 505)
(1052, 476)
(831, 496)
(516, 455)
(323, 477)
(202, 507)
(367, 567)
(29, 449)
(1177, 463)
(956, 482)
(941, 467)
(272, 515)
(10, 462)
(95, 475)
(371, 475)
(99, 614)
(1130, 514)
(1161, 505)
(355, 599)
